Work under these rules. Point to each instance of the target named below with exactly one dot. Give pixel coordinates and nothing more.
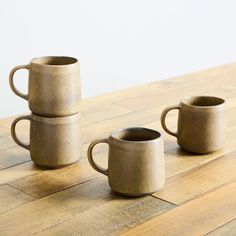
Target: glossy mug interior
(201, 124)
(54, 142)
(53, 86)
(136, 163)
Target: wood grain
(185, 187)
(17, 172)
(110, 218)
(5, 139)
(65, 205)
(9, 158)
(193, 218)
(228, 229)
(50, 181)
(11, 198)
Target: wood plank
(95, 113)
(185, 187)
(166, 85)
(159, 99)
(111, 217)
(17, 172)
(178, 161)
(46, 212)
(104, 128)
(13, 156)
(196, 217)
(50, 181)
(228, 229)
(11, 198)
(5, 139)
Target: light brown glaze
(54, 142)
(136, 164)
(53, 87)
(201, 124)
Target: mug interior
(55, 61)
(203, 101)
(136, 134)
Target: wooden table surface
(200, 193)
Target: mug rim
(38, 61)
(185, 99)
(159, 135)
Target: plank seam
(200, 165)
(220, 186)
(15, 165)
(20, 190)
(212, 231)
(60, 190)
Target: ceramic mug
(53, 86)
(54, 142)
(201, 124)
(136, 163)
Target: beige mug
(201, 124)
(53, 86)
(136, 163)
(54, 142)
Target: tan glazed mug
(53, 86)
(54, 142)
(136, 163)
(201, 124)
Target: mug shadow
(89, 193)
(185, 153)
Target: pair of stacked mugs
(54, 96)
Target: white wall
(120, 43)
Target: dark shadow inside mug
(203, 101)
(136, 134)
(55, 61)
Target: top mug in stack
(53, 87)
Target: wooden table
(200, 193)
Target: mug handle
(90, 156)
(13, 131)
(11, 81)
(163, 118)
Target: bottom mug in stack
(54, 142)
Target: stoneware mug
(54, 142)
(53, 86)
(201, 124)
(136, 165)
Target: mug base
(199, 152)
(136, 194)
(40, 166)
(133, 195)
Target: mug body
(54, 86)
(136, 164)
(201, 124)
(55, 142)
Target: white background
(119, 43)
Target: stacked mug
(54, 96)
